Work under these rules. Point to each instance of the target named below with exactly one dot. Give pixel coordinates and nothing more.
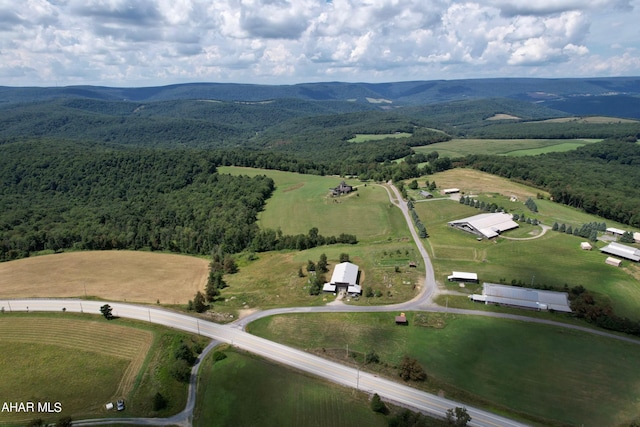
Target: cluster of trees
(317, 270)
(482, 205)
(270, 240)
(422, 230)
(220, 264)
(588, 231)
(608, 174)
(184, 357)
(585, 306)
(531, 205)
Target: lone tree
(199, 304)
(458, 417)
(410, 369)
(106, 311)
(377, 405)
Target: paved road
(234, 334)
(335, 372)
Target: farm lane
(335, 372)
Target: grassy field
(278, 396)
(562, 376)
(509, 147)
(378, 137)
(301, 202)
(83, 362)
(554, 259)
(114, 275)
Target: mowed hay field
(81, 364)
(301, 202)
(277, 396)
(112, 275)
(555, 376)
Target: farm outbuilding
(534, 299)
(402, 319)
(461, 276)
(636, 237)
(486, 225)
(613, 261)
(586, 246)
(344, 277)
(450, 190)
(622, 251)
(426, 194)
(614, 231)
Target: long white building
(535, 299)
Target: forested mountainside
(559, 93)
(88, 173)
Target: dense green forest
(58, 195)
(601, 178)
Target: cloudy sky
(158, 42)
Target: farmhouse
(450, 190)
(486, 225)
(344, 278)
(523, 297)
(622, 251)
(341, 189)
(461, 276)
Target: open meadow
(507, 147)
(553, 259)
(548, 376)
(301, 202)
(145, 277)
(278, 396)
(84, 362)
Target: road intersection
(236, 335)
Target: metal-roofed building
(523, 297)
(614, 231)
(487, 224)
(622, 251)
(461, 276)
(344, 277)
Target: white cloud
(149, 42)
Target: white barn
(344, 277)
(461, 276)
(523, 297)
(622, 251)
(486, 225)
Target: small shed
(426, 194)
(109, 406)
(413, 264)
(586, 246)
(613, 261)
(402, 319)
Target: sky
(132, 43)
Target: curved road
(235, 335)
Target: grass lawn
(464, 147)
(84, 362)
(244, 390)
(548, 375)
(301, 202)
